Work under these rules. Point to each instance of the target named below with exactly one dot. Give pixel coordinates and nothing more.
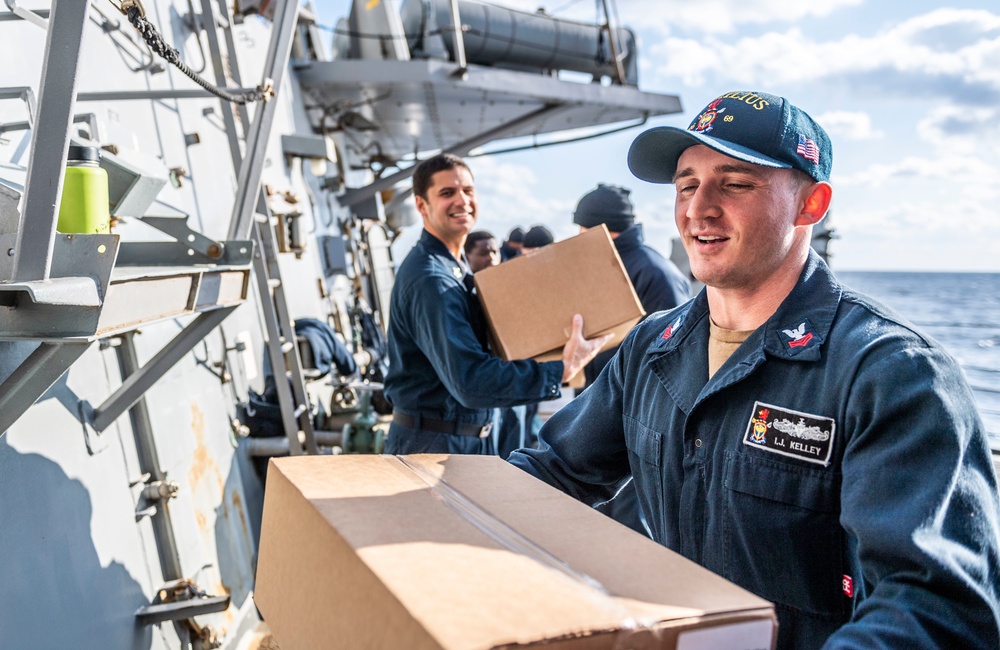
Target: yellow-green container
(84, 205)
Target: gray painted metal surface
(142, 379)
(68, 303)
(130, 492)
(421, 105)
(34, 375)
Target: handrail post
(36, 233)
(614, 44)
(456, 22)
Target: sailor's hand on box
(579, 351)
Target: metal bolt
(239, 428)
(10, 252)
(158, 490)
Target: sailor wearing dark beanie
(537, 237)
(608, 204)
(658, 283)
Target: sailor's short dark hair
(476, 236)
(425, 171)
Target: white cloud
(960, 128)
(854, 125)
(921, 252)
(902, 220)
(958, 176)
(509, 196)
(920, 57)
(910, 167)
(962, 234)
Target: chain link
(137, 16)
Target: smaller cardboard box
(530, 300)
(433, 552)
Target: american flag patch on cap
(807, 149)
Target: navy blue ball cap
(753, 127)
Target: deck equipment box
(469, 552)
(530, 300)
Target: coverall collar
(795, 332)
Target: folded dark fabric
(327, 350)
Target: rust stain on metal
(238, 507)
(229, 615)
(199, 459)
(203, 470)
(202, 520)
(202, 463)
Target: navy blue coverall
(660, 285)
(835, 465)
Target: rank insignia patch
(798, 337)
(790, 433)
(671, 329)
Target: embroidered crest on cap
(671, 329)
(704, 121)
(790, 433)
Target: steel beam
(36, 374)
(219, 66)
(149, 462)
(154, 253)
(162, 612)
(128, 95)
(178, 228)
(456, 23)
(135, 386)
(257, 137)
(26, 95)
(36, 233)
(10, 15)
(38, 17)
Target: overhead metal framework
(394, 109)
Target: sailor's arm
(920, 496)
(474, 377)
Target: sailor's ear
(421, 205)
(816, 203)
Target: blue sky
(910, 94)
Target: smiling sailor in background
(442, 381)
(784, 431)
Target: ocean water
(959, 310)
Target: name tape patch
(790, 433)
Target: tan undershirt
(721, 345)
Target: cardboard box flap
(530, 300)
(470, 552)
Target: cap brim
(654, 153)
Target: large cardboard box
(469, 552)
(530, 300)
